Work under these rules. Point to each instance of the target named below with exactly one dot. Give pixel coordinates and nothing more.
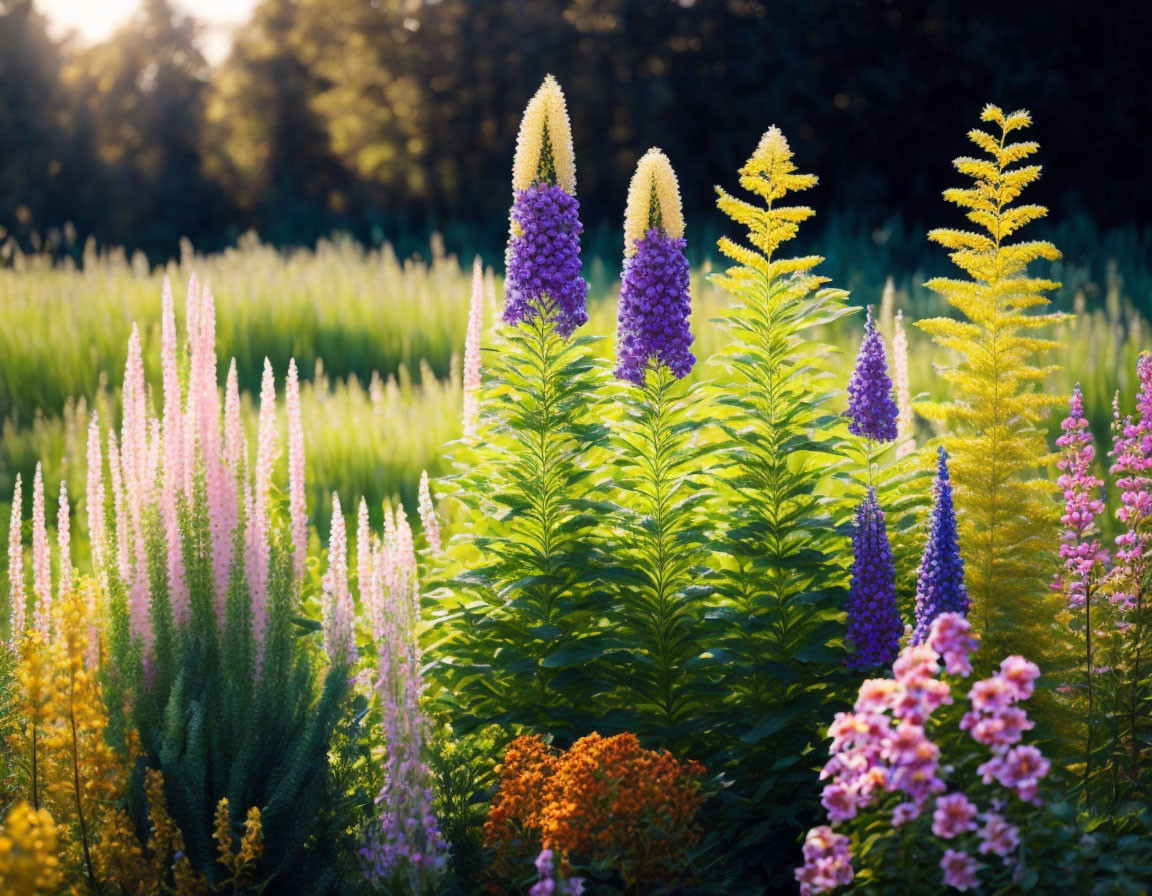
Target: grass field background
(378, 341)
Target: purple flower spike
(940, 588)
(870, 404)
(655, 303)
(1083, 502)
(1132, 467)
(874, 625)
(543, 259)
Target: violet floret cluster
(655, 303)
(543, 259)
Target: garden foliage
(608, 658)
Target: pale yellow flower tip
(544, 144)
(773, 145)
(654, 180)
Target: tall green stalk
(528, 614)
(660, 595)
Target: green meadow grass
(378, 342)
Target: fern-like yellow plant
(67, 766)
(778, 622)
(784, 437)
(996, 443)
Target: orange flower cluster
(605, 801)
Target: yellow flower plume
(544, 145)
(653, 200)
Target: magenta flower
(992, 694)
(905, 813)
(840, 801)
(1020, 675)
(959, 870)
(1003, 729)
(827, 862)
(951, 637)
(883, 757)
(1021, 768)
(955, 814)
(998, 836)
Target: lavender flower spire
(940, 588)
(870, 405)
(543, 255)
(655, 298)
(874, 625)
(1083, 502)
(905, 426)
(1132, 467)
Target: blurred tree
(393, 117)
(46, 161)
(144, 90)
(266, 142)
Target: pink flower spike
(134, 432)
(116, 466)
(472, 375)
(259, 534)
(1083, 495)
(235, 442)
(339, 614)
(41, 560)
(174, 448)
(174, 458)
(204, 373)
(297, 508)
(405, 548)
(905, 425)
(17, 597)
(64, 536)
(1132, 467)
(94, 493)
(428, 515)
